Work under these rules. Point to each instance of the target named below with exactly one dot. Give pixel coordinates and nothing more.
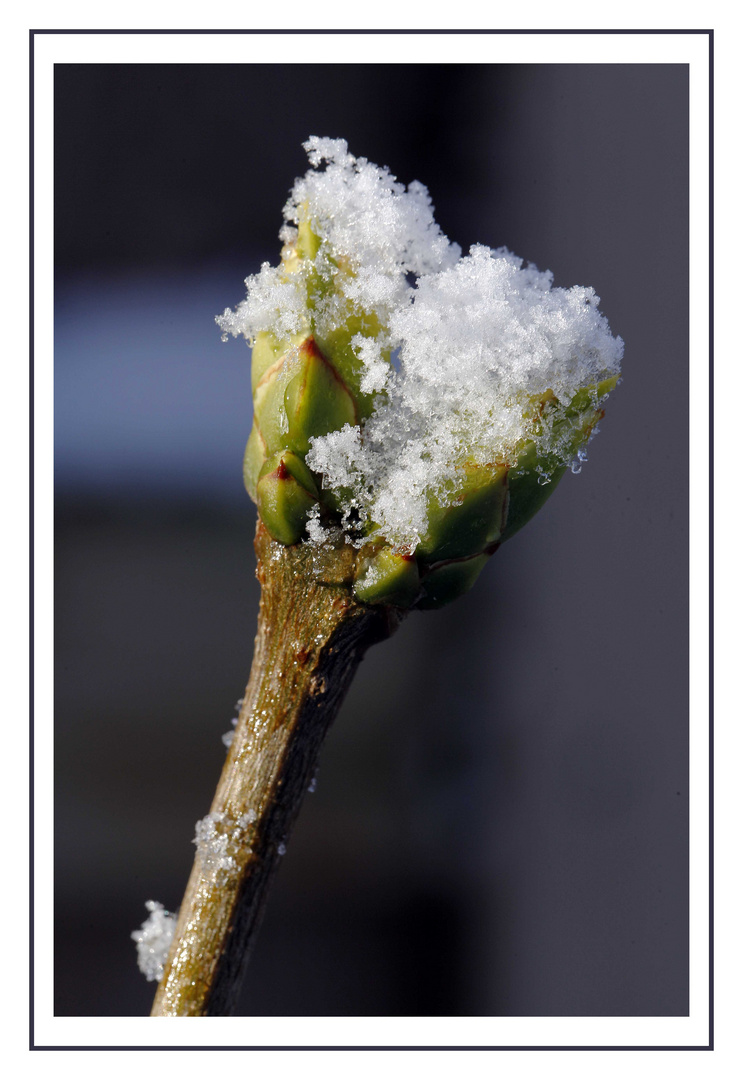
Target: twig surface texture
(311, 637)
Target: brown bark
(311, 637)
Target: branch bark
(312, 635)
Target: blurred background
(500, 823)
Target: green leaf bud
(450, 581)
(316, 400)
(472, 519)
(299, 397)
(266, 351)
(388, 578)
(528, 490)
(339, 346)
(253, 461)
(536, 475)
(308, 242)
(285, 494)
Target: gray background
(501, 819)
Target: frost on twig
(219, 839)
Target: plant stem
(311, 637)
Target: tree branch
(312, 635)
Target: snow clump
(154, 939)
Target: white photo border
(692, 48)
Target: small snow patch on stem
(220, 838)
(230, 735)
(154, 939)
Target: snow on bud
(285, 494)
(430, 464)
